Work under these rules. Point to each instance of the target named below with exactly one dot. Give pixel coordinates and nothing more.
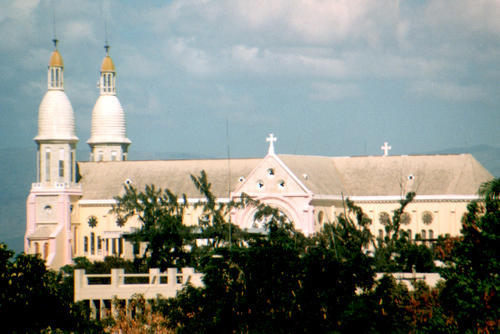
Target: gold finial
(107, 62)
(55, 57)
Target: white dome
(56, 120)
(108, 121)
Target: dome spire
(55, 116)
(108, 74)
(108, 140)
(55, 72)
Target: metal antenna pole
(228, 179)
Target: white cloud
(470, 16)
(193, 59)
(78, 30)
(448, 91)
(18, 9)
(326, 91)
(244, 53)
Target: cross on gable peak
(386, 148)
(271, 139)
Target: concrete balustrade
(431, 279)
(101, 289)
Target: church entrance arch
(285, 209)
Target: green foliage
(470, 295)
(44, 298)
(162, 228)
(213, 225)
(282, 282)
(396, 252)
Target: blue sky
(326, 77)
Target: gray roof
(452, 174)
(104, 180)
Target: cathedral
(68, 207)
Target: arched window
(424, 235)
(99, 244)
(92, 243)
(86, 244)
(120, 246)
(37, 248)
(431, 234)
(409, 234)
(321, 216)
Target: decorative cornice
(417, 198)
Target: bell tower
(56, 139)
(108, 140)
(48, 216)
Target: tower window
(100, 156)
(113, 155)
(38, 176)
(86, 244)
(47, 165)
(72, 166)
(61, 168)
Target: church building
(68, 208)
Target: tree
(43, 296)
(162, 229)
(395, 251)
(170, 243)
(470, 295)
(214, 224)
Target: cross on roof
(271, 139)
(386, 149)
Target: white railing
(123, 286)
(430, 279)
(57, 185)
